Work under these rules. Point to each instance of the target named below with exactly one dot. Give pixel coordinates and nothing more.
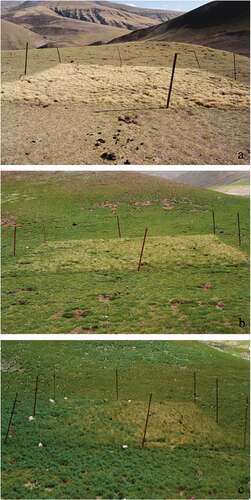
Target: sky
(183, 5)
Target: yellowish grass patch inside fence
(118, 254)
(127, 87)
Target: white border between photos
(124, 168)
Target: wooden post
(146, 423)
(10, 419)
(35, 398)
(217, 401)
(245, 423)
(26, 58)
(142, 249)
(196, 59)
(235, 74)
(239, 228)
(14, 240)
(120, 57)
(118, 224)
(171, 82)
(117, 384)
(214, 226)
(44, 233)
(194, 387)
(59, 57)
(54, 384)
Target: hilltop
(205, 179)
(219, 24)
(72, 23)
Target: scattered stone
(108, 156)
(220, 305)
(127, 162)
(128, 119)
(206, 286)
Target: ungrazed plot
(127, 87)
(91, 255)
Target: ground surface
(117, 94)
(91, 441)
(72, 272)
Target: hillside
(76, 265)
(78, 23)
(205, 179)
(219, 24)
(15, 37)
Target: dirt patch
(146, 203)
(81, 329)
(10, 366)
(108, 204)
(7, 221)
(167, 205)
(106, 298)
(57, 315)
(206, 286)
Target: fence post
(14, 240)
(214, 226)
(245, 423)
(239, 228)
(171, 82)
(196, 59)
(59, 56)
(235, 73)
(146, 423)
(117, 384)
(120, 57)
(118, 224)
(26, 58)
(35, 397)
(54, 384)
(10, 419)
(142, 249)
(217, 400)
(194, 387)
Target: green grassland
(85, 426)
(72, 272)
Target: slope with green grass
(91, 439)
(72, 272)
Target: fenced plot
(181, 278)
(216, 419)
(135, 82)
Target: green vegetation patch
(91, 441)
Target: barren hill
(219, 24)
(15, 37)
(69, 23)
(205, 179)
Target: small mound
(139, 86)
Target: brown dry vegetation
(120, 109)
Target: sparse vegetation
(122, 95)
